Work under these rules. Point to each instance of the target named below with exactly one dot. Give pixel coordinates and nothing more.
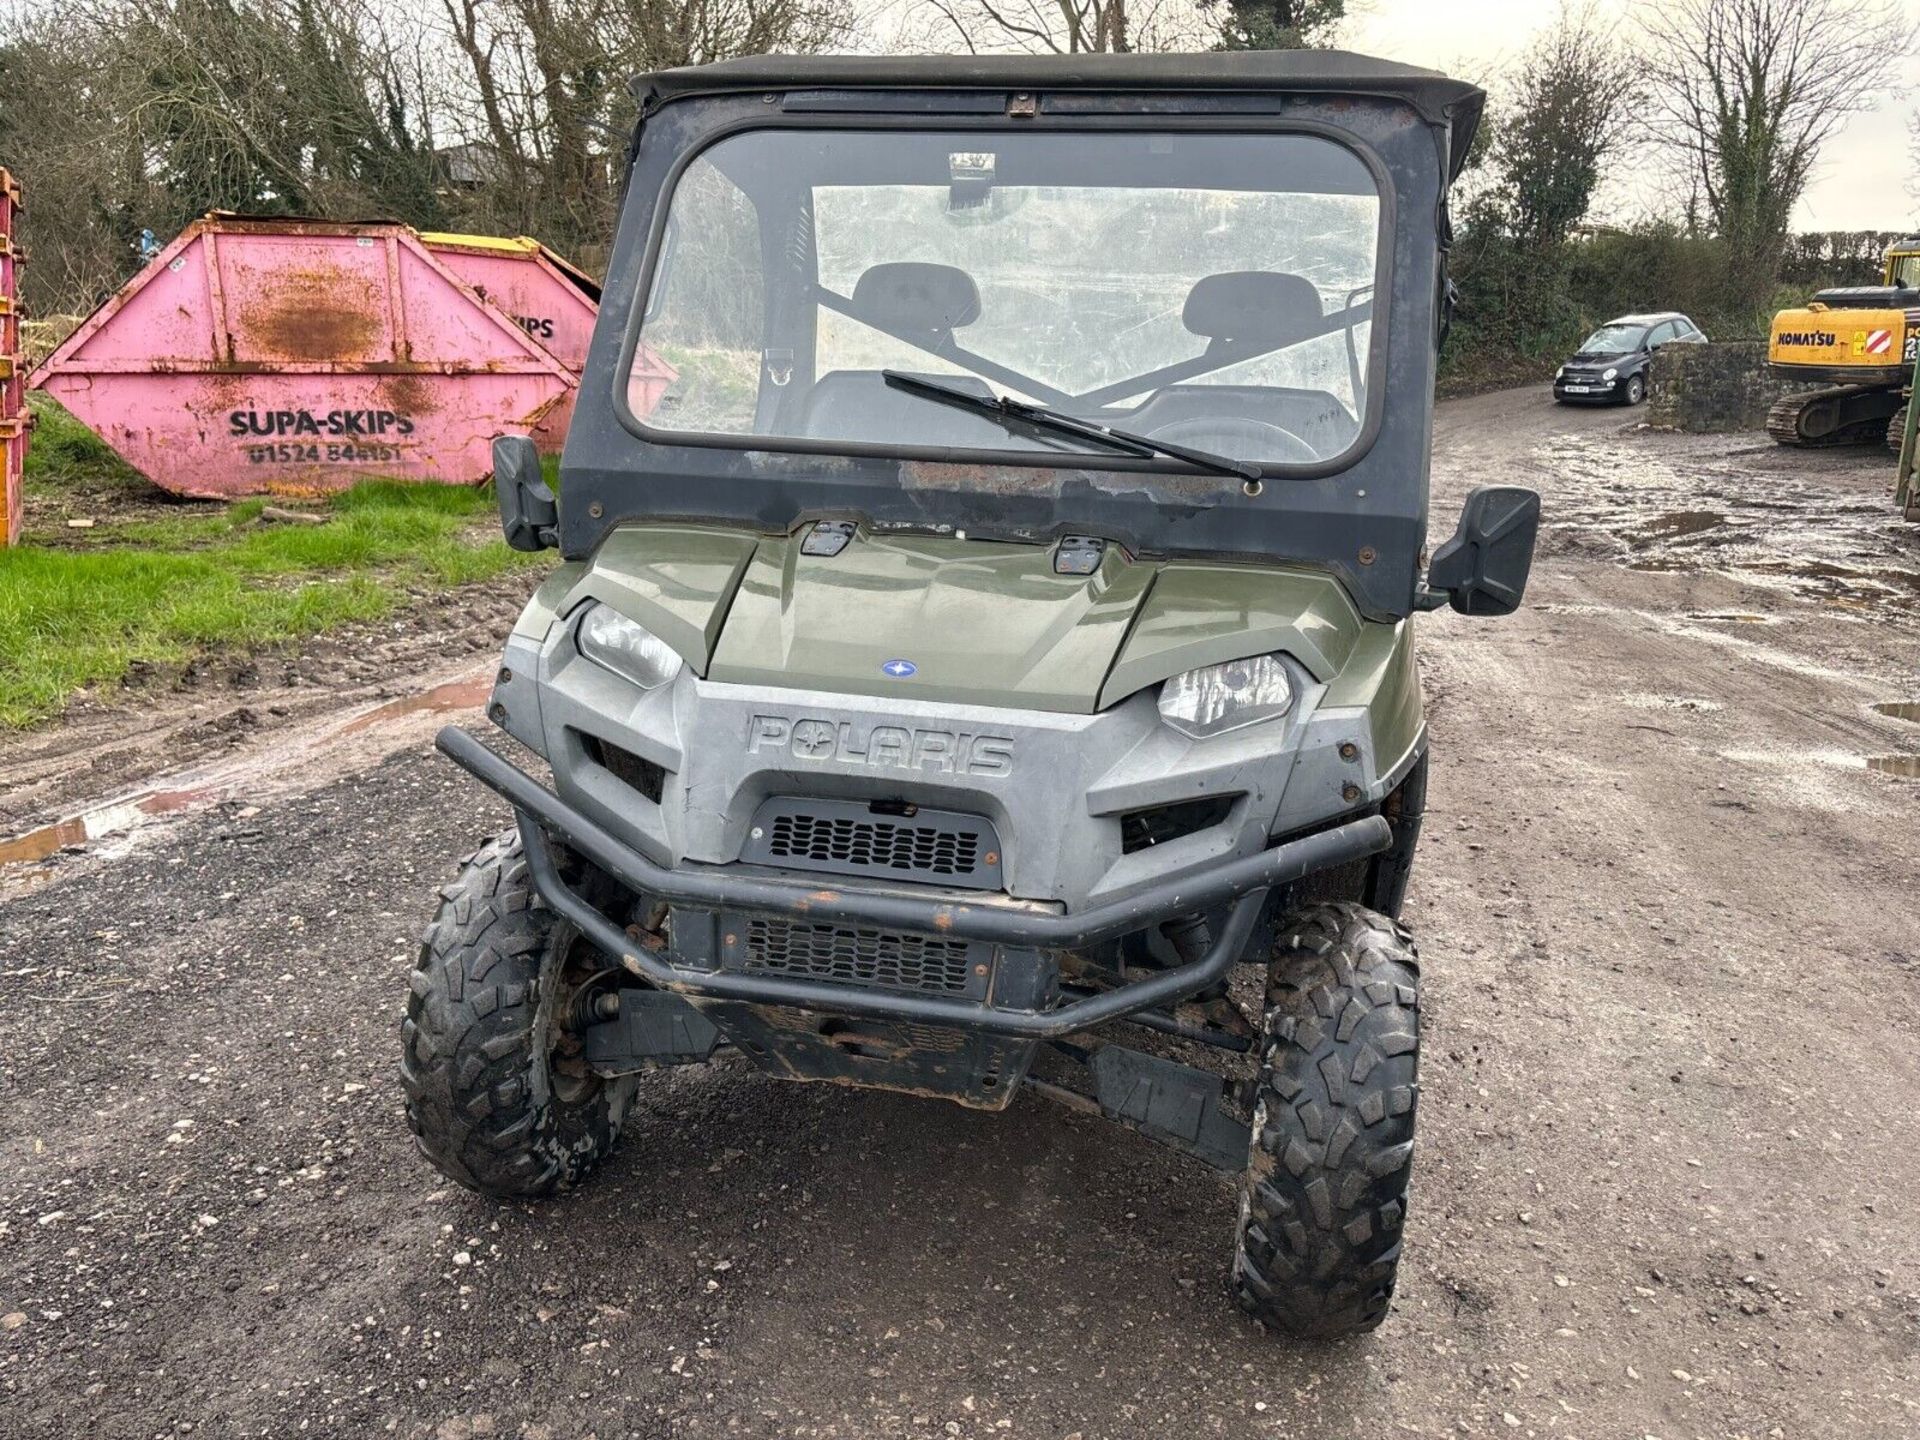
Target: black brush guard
(1243, 882)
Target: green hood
(979, 623)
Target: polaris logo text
(1809, 337)
(305, 422)
(945, 752)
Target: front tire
(1324, 1192)
(1635, 389)
(497, 1095)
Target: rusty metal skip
(286, 356)
(14, 420)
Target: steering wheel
(1243, 439)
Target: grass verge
(164, 583)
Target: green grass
(716, 388)
(162, 588)
(65, 452)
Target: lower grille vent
(874, 844)
(856, 955)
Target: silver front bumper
(1054, 786)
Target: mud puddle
(1677, 525)
(335, 746)
(1906, 767)
(465, 694)
(102, 820)
(1819, 529)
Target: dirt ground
(1670, 917)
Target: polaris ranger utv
(988, 668)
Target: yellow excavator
(1858, 343)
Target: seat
(913, 300)
(912, 297)
(1249, 311)
(1253, 309)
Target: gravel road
(1670, 915)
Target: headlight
(1608, 373)
(630, 650)
(1218, 698)
(1560, 373)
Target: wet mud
(1661, 502)
(330, 745)
(108, 819)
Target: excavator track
(1897, 428)
(1842, 415)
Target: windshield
(1613, 340)
(1214, 291)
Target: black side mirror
(529, 515)
(1483, 569)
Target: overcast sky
(1865, 178)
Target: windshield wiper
(1039, 417)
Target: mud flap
(652, 1028)
(1175, 1104)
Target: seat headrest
(1256, 307)
(917, 297)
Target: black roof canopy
(1438, 98)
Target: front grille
(855, 955)
(874, 844)
(893, 839)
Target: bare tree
(1059, 27)
(1563, 119)
(1913, 154)
(1747, 91)
(126, 116)
(270, 105)
(84, 172)
(544, 90)
(1087, 27)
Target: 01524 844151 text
(311, 454)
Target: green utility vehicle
(988, 669)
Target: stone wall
(1724, 386)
